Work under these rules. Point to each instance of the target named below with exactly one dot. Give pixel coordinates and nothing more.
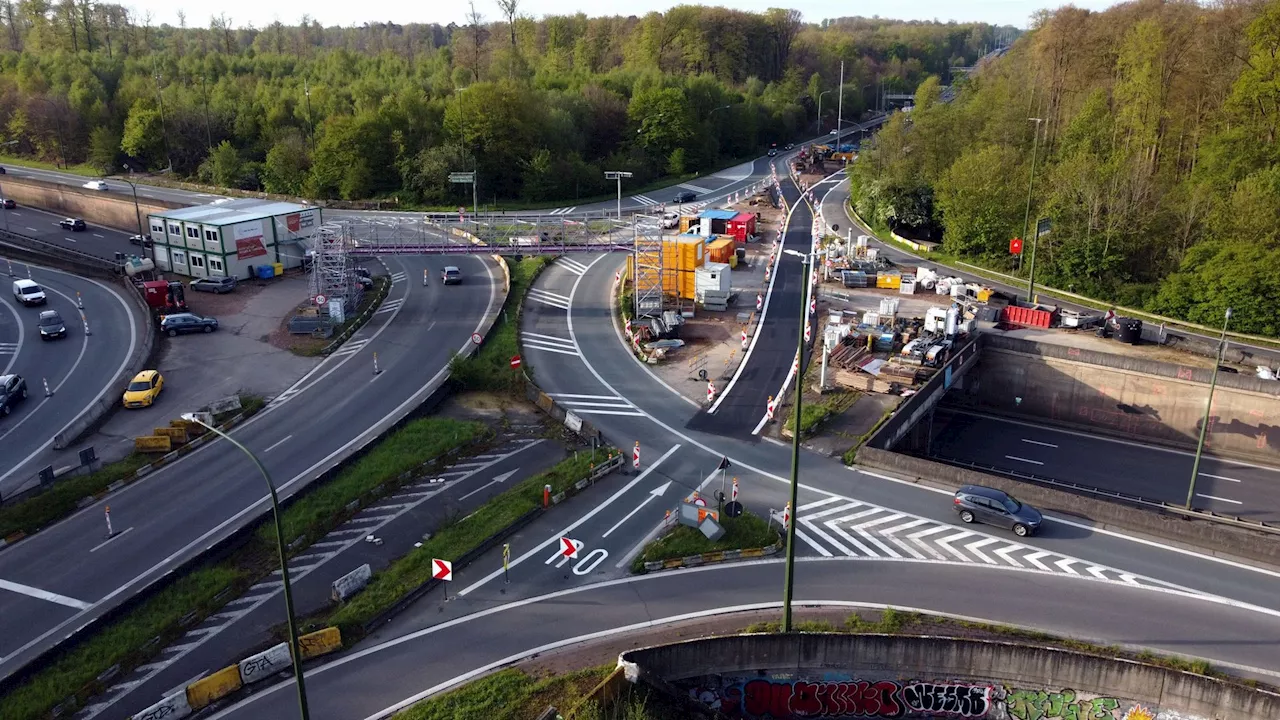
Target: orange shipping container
(721, 251)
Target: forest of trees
(539, 107)
(1157, 161)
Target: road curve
(480, 634)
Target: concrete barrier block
(320, 642)
(171, 708)
(175, 434)
(265, 664)
(153, 444)
(218, 685)
(351, 583)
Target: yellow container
(692, 253)
(889, 282)
(278, 268)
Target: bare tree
(86, 17)
(786, 25)
(15, 41)
(475, 21)
(509, 9)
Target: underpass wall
(95, 206)
(1127, 397)
(816, 675)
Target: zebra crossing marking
(563, 210)
(572, 265)
(390, 306)
(398, 277)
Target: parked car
(8, 203)
(451, 276)
(685, 196)
(13, 390)
(977, 503)
(143, 240)
(96, 185)
(143, 389)
(218, 285)
(182, 323)
(51, 325)
(72, 224)
(28, 292)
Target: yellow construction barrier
(153, 444)
(320, 642)
(218, 685)
(177, 435)
(194, 429)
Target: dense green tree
(104, 150)
(287, 164)
(224, 166)
(143, 135)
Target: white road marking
(98, 236)
(656, 492)
(590, 397)
(1019, 459)
(39, 594)
(627, 413)
(1219, 499)
(1037, 442)
(108, 540)
(277, 444)
(1219, 477)
(549, 298)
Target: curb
(712, 558)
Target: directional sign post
(570, 547)
(506, 563)
(619, 176)
(467, 178)
(442, 570)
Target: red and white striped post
(808, 331)
(813, 305)
(617, 275)
(786, 516)
(626, 328)
(635, 456)
(759, 302)
(745, 342)
(769, 408)
(711, 391)
(734, 496)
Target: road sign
(1015, 246)
(733, 509)
(515, 361)
(321, 299)
(462, 177)
(569, 547)
(441, 570)
(476, 338)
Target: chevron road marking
(822, 534)
(891, 533)
(819, 503)
(945, 543)
(572, 265)
(1004, 554)
(1066, 564)
(1034, 559)
(547, 343)
(548, 298)
(816, 546)
(973, 548)
(1097, 572)
(863, 532)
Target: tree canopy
(1156, 159)
(539, 108)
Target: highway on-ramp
(69, 574)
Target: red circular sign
(515, 361)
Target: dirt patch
(221, 305)
(297, 344)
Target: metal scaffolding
(333, 273)
(647, 261)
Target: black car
(2, 171)
(73, 224)
(13, 390)
(219, 285)
(179, 323)
(686, 196)
(976, 503)
(8, 203)
(789, 146)
(51, 325)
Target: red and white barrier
(734, 496)
(745, 342)
(759, 302)
(769, 408)
(635, 456)
(711, 391)
(786, 516)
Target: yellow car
(143, 389)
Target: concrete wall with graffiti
(838, 676)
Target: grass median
(455, 540)
(62, 498)
(509, 695)
(745, 532)
(124, 641)
(490, 368)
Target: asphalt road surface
(80, 369)
(1016, 447)
(95, 240)
(67, 574)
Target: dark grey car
(180, 323)
(13, 390)
(976, 503)
(51, 325)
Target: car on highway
(13, 390)
(978, 503)
(8, 203)
(51, 325)
(3, 171)
(789, 146)
(219, 285)
(451, 275)
(143, 240)
(72, 224)
(183, 323)
(686, 196)
(28, 292)
(143, 389)
(95, 185)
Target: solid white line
(278, 444)
(590, 397)
(775, 441)
(39, 594)
(549, 294)
(1219, 499)
(1219, 477)
(628, 516)
(574, 404)
(18, 345)
(108, 540)
(1033, 462)
(565, 532)
(584, 411)
(1037, 442)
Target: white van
(28, 292)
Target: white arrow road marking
(918, 538)
(945, 543)
(1066, 564)
(973, 548)
(890, 533)
(654, 493)
(498, 479)
(1005, 551)
(1034, 559)
(1097, 572)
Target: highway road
(42, 225)
(68, 574)
(1016, 447)
(80, 369)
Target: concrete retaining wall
(1130, 397)
(843, 675)
(112, 209)
(1203, 535)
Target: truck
(163, 297)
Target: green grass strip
(509, 695)
(490, 368)
(745, 532)
(455, 540)
(313, 514)
(84, 169)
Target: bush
(745, 532)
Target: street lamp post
(1031, 183)
(840, 106)
(1208, 408)
(137, 212)
(795, 447)
(295, 649)
(824, 92)
(617, 175)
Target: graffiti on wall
(770, 698)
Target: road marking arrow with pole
(654, 493)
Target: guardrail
(45, 251)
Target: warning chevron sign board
(441, 570)
(570, 547)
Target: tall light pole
(840, 107)
(824, 92)
(617, 175)
(1208, 408)
(1031, 183)
(142, 236)
(795, 446)
(295, 649)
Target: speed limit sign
(321, 299)
(475, 338)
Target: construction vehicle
(163, 297)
